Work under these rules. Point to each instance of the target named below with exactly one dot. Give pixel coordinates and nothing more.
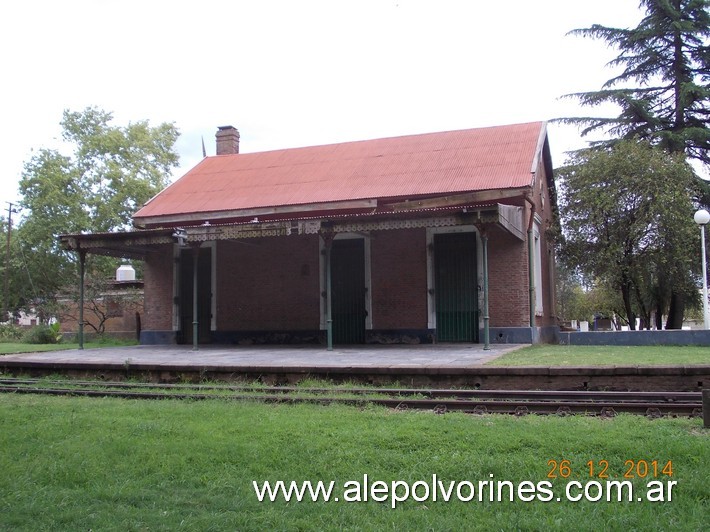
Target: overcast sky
(292, 73)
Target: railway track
(651, 404)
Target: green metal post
(486, 317)
(82, 270)
(328, 300)
(195, 321)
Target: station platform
(422, 365)
(272, 357)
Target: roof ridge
(386, 138)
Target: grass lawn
(111, 464)
(11, 348)
(563, 355)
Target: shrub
(43, 334)
(10, 333)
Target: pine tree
(668, 58)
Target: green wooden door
(348, 291)
(456, 287)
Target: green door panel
(348, 291)
(456, 287)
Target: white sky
(292, 73)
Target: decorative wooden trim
(137, 244)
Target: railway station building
(437, 237)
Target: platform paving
(441, 356)
(438, 366)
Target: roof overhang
(123, 244)
(138, 244)
(330, 209)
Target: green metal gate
(456, 287)
(348, 291)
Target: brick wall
(399, 279)
(543, 208)
(122, 315)
(273, 284)
(508, 295)
(268, 284)
(158, 289)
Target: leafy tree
(24, 271)
(604, 300)
(662, 92)
(111, 171)
(627, 217)
(571, 296)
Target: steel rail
(560, 403)
(579, 395)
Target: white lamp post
(702, 217)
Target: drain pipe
(531, 260)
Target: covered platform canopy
(443, 212)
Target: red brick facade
(270, 284)
(274, 284)
(399, 277)
(544, 205)
(159, 289)
(507, 280)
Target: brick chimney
(227, 140)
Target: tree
(570, 296)
(604, 300)
(667, 57)
(111, 172)
(580, 299)
(666, 61)
(626, 213)
(103, 300)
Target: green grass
(8, 348)
(109, 464)
(561, 355)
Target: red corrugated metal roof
(417, 165)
